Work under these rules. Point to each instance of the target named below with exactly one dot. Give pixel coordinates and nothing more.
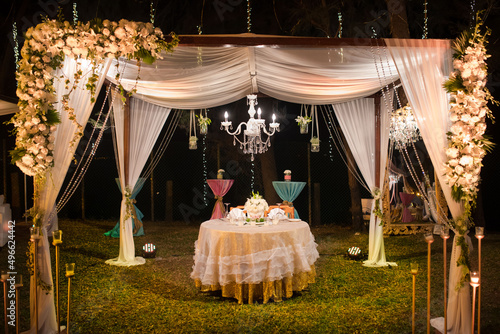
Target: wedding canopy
(208, 71)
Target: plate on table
(294, 220)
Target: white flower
(466, 160)
(452, 152)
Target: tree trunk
(268, 168)
(399, 19)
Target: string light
(249, 17)
(472, 12)
(424, 35)
(204, 161)
(339, 15)
(75, 14)
(374, 32)
(16, 44)
(152, 13)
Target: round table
(254, 262)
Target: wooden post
(169, 202)
(377, 140)
(126, 138)
(309, 186)
(83, 197)
(4, 173)
(317, 204)
(152, 193)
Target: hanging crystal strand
(249, 17)
(75, 14)
(16, 44)
(424, 35)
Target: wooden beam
(273, 41)
(377, 140)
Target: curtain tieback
(219, 204)
(290, 204)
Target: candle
(429, 237)
(445, 232)
(35, 233)
(70, 269)
(414, 268)
(259, 112)
(474, 278)
(479, 232)
(57, 237)
(274, 118)
(4, 276)
(226, 115)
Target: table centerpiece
(255, 207)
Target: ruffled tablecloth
(254, 262)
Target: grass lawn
(160, 297)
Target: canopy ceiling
(208, 71)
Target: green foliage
(454, 84)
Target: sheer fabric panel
(146, 122)
(423, 67)
(204, 77)
(357, 121)
(63, 153)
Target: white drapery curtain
(205, 77)
(146, 122)
(357, 121)
(82, 105)
(423, 67)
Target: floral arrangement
(255, 206)
(467, 144)
(203, 120)
(377, 195)
(44, 50)
(303, 120)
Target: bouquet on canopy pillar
(255, 206)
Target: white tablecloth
(226, 254)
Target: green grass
(160, 297)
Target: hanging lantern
(193, 145)
(303, 120)
(204, 121)
(314, 144)
(192, 131)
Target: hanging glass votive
(314, 144)
(304, 128)
(193, 145)
(203, 128)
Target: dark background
(101, 198)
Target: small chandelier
(403, 130)
(256, 139)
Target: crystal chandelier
(404, 129)
(256, 139)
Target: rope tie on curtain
(219, 203)
(130, 211)
(290, 204)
